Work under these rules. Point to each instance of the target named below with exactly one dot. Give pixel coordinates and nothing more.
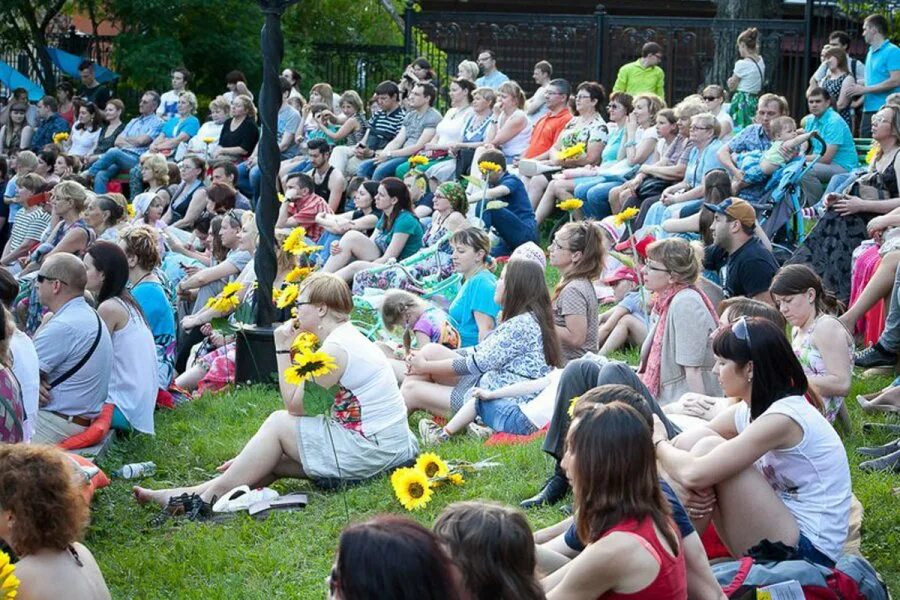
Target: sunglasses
(742, 332)
(42, 278)
(710, 98)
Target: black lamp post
(255, 350)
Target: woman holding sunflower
(366, 432)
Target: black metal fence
(356, 67)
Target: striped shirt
(383, 127)
(29, 225)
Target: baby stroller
(779, 210)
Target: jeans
(813, 183)
(320, 257)
(890, 337)
(504, 416)
(512, 230)
(595, 193)
(370, 170)
(581, 375)
(113, 162)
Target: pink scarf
(651, 372)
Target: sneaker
(875, 356)
(480, 431)
(432, 433)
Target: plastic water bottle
(135, 470)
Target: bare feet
(145, 496)
(888, 400)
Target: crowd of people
(121, 238)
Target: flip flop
(242, 498)
(288, 502)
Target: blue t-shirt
(702, 162)
(611, 150)
(833, 129)
(679, 515)
(517, 199)
(879, 64)
(288, 120)
(176, 126)
(476, 294)
(11, 190)
(493, 81)
(634, 305)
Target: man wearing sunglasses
(643, 76)
(74, 351)
(750, 265)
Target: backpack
(853, 578)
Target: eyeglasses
(582, 96)
(710, 98)
(742, 332)
(555, 244)
(555, 93)
(41, 278)
(699, 127)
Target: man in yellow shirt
(643, 76)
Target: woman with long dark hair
(397, 235)
(822, 344)
(524, 347)
(133, 382)
(392, 557)
(770, 467)
(494, 549)
(621, 515)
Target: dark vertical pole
(807, 43)
(600, 17)
(272, 44)
(408, 31)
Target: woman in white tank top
(771, 467)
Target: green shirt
(406, 222)
(635, 79)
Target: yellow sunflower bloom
(572, 406)
(208, 140)
(223, 304)
(487, 166)
(307, 365)
(571, 152)
(625, 216)
(457, 479)
(9, 583)
(570, 204)
(232, 288)
(305, 342)
(411, 488)
(870, 155)
(295, 239)
(418, 159)
(60, 137)
(287, 296)
(298, 274)
(129, 208)
(432, 465)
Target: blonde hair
(191, 98)
(512, 88)
(158, 166)
(469, 69)
(654, 103)
(72, 191)
(396, 304)
(142, 242)
(248, 106)
(779, 124)
(329, 290)
(708, 120)
(220, 103)
(487, 94)
(677, 256)
(352, 98)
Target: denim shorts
(504, 416)
(807, 551)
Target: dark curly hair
(37, 485)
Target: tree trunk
(725, 32)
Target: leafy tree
(26, 23)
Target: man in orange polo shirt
(547, 128)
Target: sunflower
(286, 296)
(298, 274)
(417, 159)
(307, 365)
(232, 288)
(223, 303)
(60, 137)
(208, 140)
(572, 403)
(570, 204)
(457, 479)
(487, 166)
(129, 208)
(571, 152)
(432, 465)
(411, 487)
(625, 216)
(295, 239)
(872, 153)
(9, 583)
(304, 342)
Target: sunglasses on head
(742, 332)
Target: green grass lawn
(289, 555)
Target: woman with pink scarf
(677, 355)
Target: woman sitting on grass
(493, 547)
(632, 547)
(366, 426)
(473, 312)
(42, 517)
(523, 348)
(392, 557)
(770, 467)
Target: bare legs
(628, 330)
(887, 400)
(537, 187)
(558, 189)
(272, 451)
(190, 379)
(431, 394)
(353, 246)
(878, 288)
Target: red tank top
(671, 582)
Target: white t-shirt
(133, 381)
(751, 76)
(642, 134)
(450, 128)
(83, 141)
(26, 367)
(812, 478)
(168, 105)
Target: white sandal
(242, 497)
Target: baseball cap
(640, 244)
(621, 273)
(737, 209)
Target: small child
(422, 323)
(758, 165)
(301, 206)
(31, 221)
(627, 322)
